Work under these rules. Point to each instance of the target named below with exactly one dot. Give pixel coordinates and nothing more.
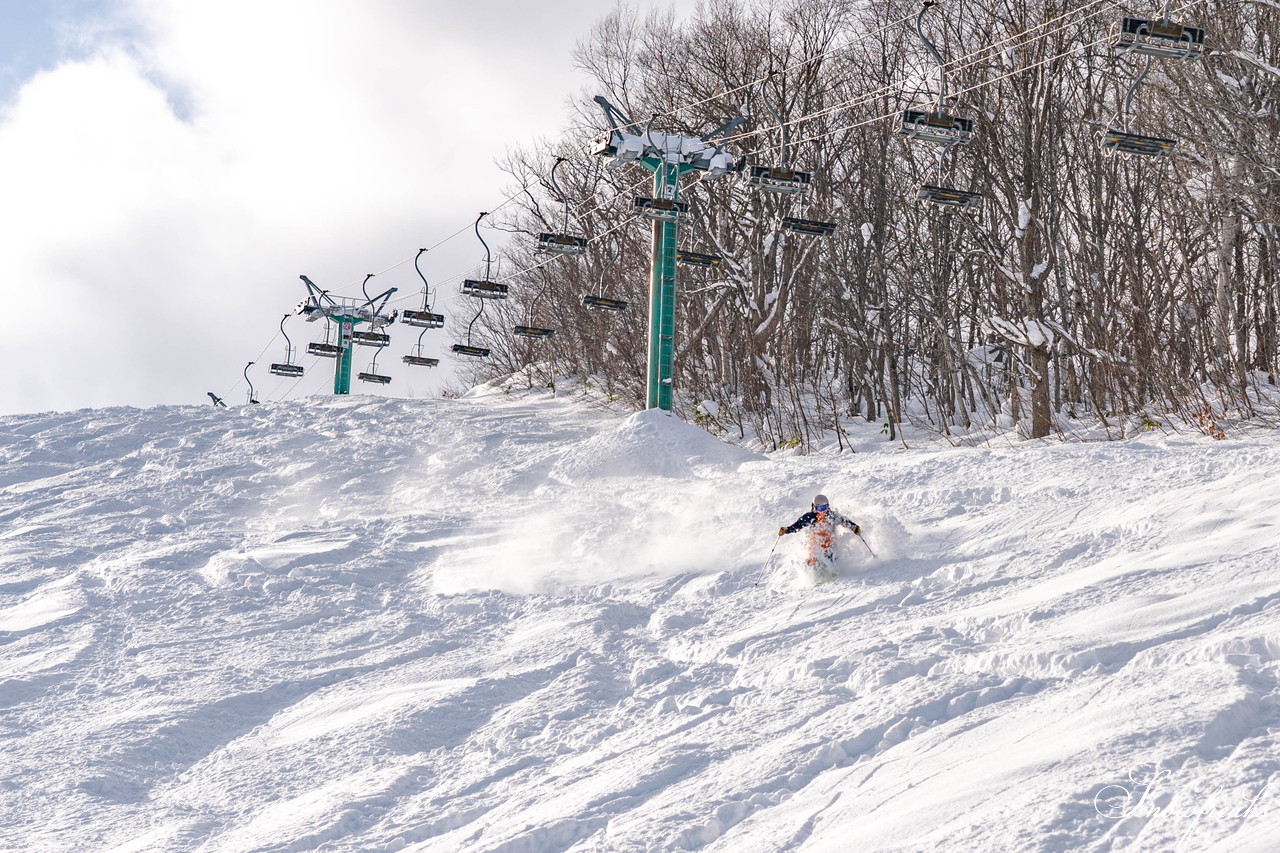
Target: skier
(823, 519)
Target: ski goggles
(821, 507)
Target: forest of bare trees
(1091, 288)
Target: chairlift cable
(889, 87)
(977, 54)
(853, 102)
(580, 213)
(800, 64)
(270, 343)
(957, 62)
(545, 261)
(972, 88)
(538, 265)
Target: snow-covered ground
(505, 623)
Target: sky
(168, 168)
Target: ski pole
(868, 547)
(766, 561)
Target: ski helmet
(820, 501)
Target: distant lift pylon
(345, 314)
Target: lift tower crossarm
(375, 306)
(614, 116)
(725, 129)
(316, 300)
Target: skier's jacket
(811, 517)
(824, 527)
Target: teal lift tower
(668, 157)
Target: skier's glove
(857, 531)
(782, 531)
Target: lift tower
(345, 314)
(668, 156)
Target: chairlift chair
(531, 331)
(324, 349)
(935, 124)
(808, 226)
(605, 303)
(1119, 142)
(372, 375)
(562, 243)
(288, 368)
(416, 358)
(1122, 140)
(292, 370)
(947, 197)
(697, 259)
(422, 318)
(535, 332)
(253, 399)
(1163, 39)
(482, 289)
(780, 178)
(420, 360)
(370, 339)
(662, 209)
(937, 127)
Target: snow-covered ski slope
(508, 624)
